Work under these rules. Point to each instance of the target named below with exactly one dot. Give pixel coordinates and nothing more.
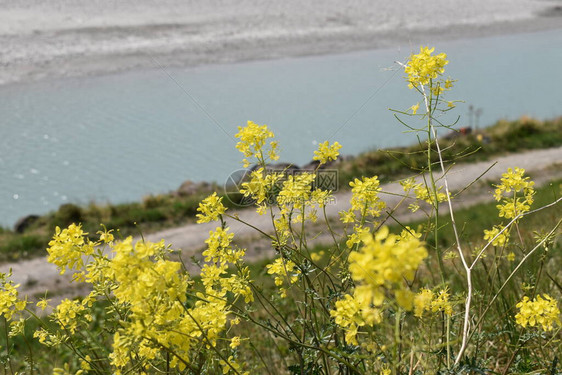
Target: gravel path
(36, 275)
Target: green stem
(396, 359)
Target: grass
(169, 210)
(275, 354)
(496, 337)
(500, 138)
(540, 273)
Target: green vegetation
(478, 294)
(501, 138)
(473, 221)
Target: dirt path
(36, 275)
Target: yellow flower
(211, 208)
(423, 67)
(106, 236)
(424, 193)
(85, 363)
(68, 247)
(296, 189)
(513, 205)
(426, 300)
(502, 238)
(43, 303)
(364, 199)
(219, 248)
(386, 258)
(422, 302)
(408, 184)
(347, 315)
(260, 186)
(235, 342)
(10, 304)
(67, 314)
(405, 299)
(514, 180)
(441, 303)
(415, 108)
(383, 263)
(540, 311)
(284, 269)
(252, 141)
(326, 152)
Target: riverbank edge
(100, 63)
(176, 208)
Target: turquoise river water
(116, 138)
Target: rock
(282, 167)
(329, 165)
(311, 166)
(25, 222)
(191, 188)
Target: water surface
(116, 138)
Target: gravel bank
(59, 38)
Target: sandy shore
(59, 38)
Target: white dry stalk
(538, 245)
(468, 270)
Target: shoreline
(110, 45)
(37, 275)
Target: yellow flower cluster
(66, 314)
(219, 249)
(68, 247)
(296, 191)
(381, 264)
(423, 193)
(149, 294)
(386, 258)
(298, 202)
(327, 152)
(10, 304)
(220, 254)
(520, 191)
(501, 240)
(260, 187)
(540, 311)
(514, 181)
(153, 290)
(348, 315)
(284, 270)
(253, 138)
(426, 300)
(423, 67)
(364, 199)
(211, 208)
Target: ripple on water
(118, 137)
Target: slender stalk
(517, 269)
(397, 340)
(448, 342)
(468, 270)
